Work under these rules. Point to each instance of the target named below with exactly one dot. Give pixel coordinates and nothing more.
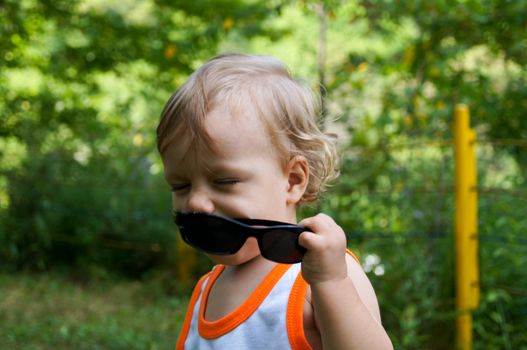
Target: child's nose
(200, 201)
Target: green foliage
(82, 84)
(74, 214)
(49, 311)
(396, 202)
(454, 51)
(81, 87)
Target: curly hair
(288, 107)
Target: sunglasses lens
(211, 235)
(223, 236)
(282, 246)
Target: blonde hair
(289, 109)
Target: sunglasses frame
(249, 230)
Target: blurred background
(89, 256)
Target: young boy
(239, 139)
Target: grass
(51, 312)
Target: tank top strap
(295, 309)
(180, 345)
(215, 329)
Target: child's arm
(344, 303)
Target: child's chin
(232, 260)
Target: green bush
(62, 212)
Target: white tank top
(271, 318)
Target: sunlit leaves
(82, 84)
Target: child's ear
(297, 172)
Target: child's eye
(227, 181)
(179, 187)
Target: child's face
(243, 178)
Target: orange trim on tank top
(295, 306)
(295, 315)
(295, 312)
(353, 256)
(215, 329)
(180, 345)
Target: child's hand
(325, 259)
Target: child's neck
(235, 285)
(253, 266)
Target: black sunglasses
(218, 235)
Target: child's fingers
(326, 234)
(321, 242)
(317, 223)
(325, 259)
(309, 240)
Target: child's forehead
(229, 129)
(226, 133)
(239, 116)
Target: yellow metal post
(466, 233)
(186, 262)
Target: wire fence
(408, 190)
(487, 237)
(410, 205)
